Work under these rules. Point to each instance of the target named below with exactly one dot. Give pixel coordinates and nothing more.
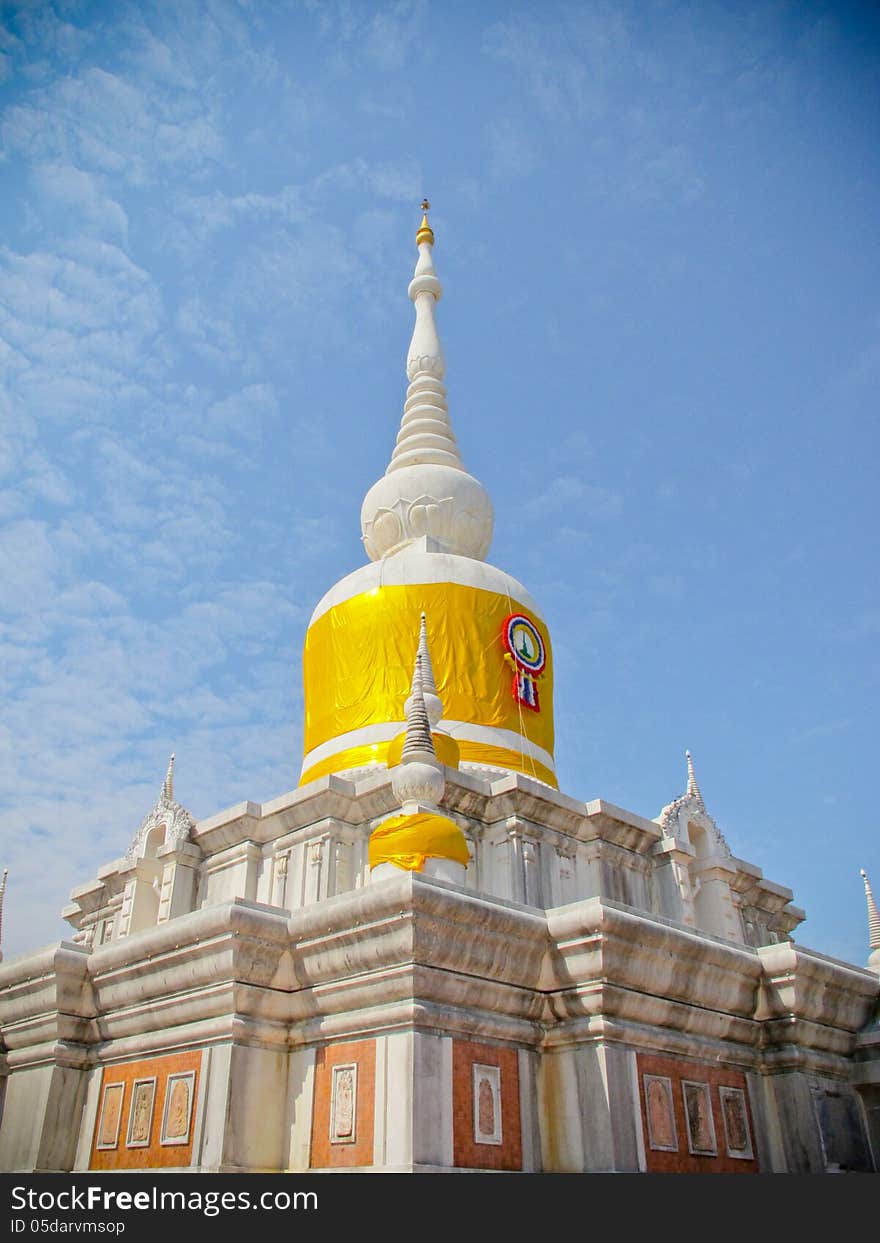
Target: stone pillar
(300, 1103)
(215, 1087)
(432, 1101)
(140, 897)
(673, 859)
(588, 1110)
(279, 888)
(256, 1112)
(45, 1087)
(180, 877)
(527, 1066)
(563, 887)
(516, 866)
(713, 904)
(393, 1117)
(559, 1113)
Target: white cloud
(101, 122)
(78, 195)
(385, 35)
(511, 151)
(81, 334)
(244, 414)
(568, 494)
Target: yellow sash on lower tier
(408, 840)
(473, 752)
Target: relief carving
(111, 1114)
(659, 1110)
(343, 1104)
(178, 1108)
(486, 1085)
(485, 1108)
(142, 1097)
(698, 1112)
(736, 1122)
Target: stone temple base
(414, 1025)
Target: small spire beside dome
(418, 744)
(425, 670)
(419, 832)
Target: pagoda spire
(426, 496)
(425, 435)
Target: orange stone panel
(358, 1150)
(688, 1102)
(130, 1151)
(467, 1153)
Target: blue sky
(657, 230)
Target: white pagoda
(426, 957)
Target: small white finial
(873, 914)
(168, 783)
(693, 788)
(425, 233)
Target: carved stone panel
(735, 1116)
(487, 1104)
(660, 1112)
(698, 1114)
(111, 1115)
(343, 1104)
(140, 1117)
(177, 1115)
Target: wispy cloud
(568, 494)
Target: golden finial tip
(425, 233)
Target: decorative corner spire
(176, 820)
(168, 783)
(2, 893)
(676, 816)
(873, 914)
(693, 789)
(425, 233)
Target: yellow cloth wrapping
(407, 841)
(358, 661)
